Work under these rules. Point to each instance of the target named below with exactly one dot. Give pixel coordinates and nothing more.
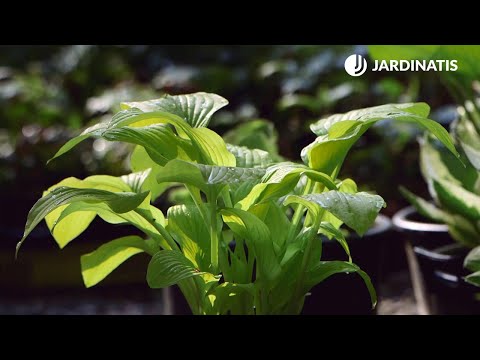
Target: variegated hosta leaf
(458, 200)
(472, 261)
(436, 162)
(460, 228)
(469, 140)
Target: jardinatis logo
(356, 65)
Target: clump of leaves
(247, 242)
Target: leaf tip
(17, 247)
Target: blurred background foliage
(48, 93)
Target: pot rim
(400, 221)
(382, 224)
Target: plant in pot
(247, 242)
(455, 191)
(441, 247)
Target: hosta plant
(247, 241)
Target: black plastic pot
(347, 294)
(440, 260)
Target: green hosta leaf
(335, 138)
(65, 231)
(119, 119)
(140, 161)
(474, 278)
(366, 115)
(118, 202)
(212, 146)
(208, 145)
(325, 269)
(358, 211)
(234, 298)
(98, 264)
(273, 215)
(196, 108)
(203, 176)
(168, 267)
(70, 227)
(136, 180)
(279, 180)
(159, 140)
(192, 233)
(469, 140)
(228, 175)
(248, 158)
(458, 200)
(472, 261)
(106, 182)
(242, 190)
(257, 236)
(131, 217)
(346, 186)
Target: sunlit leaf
(98, 264)
(196, 108)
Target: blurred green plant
(454, 188)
